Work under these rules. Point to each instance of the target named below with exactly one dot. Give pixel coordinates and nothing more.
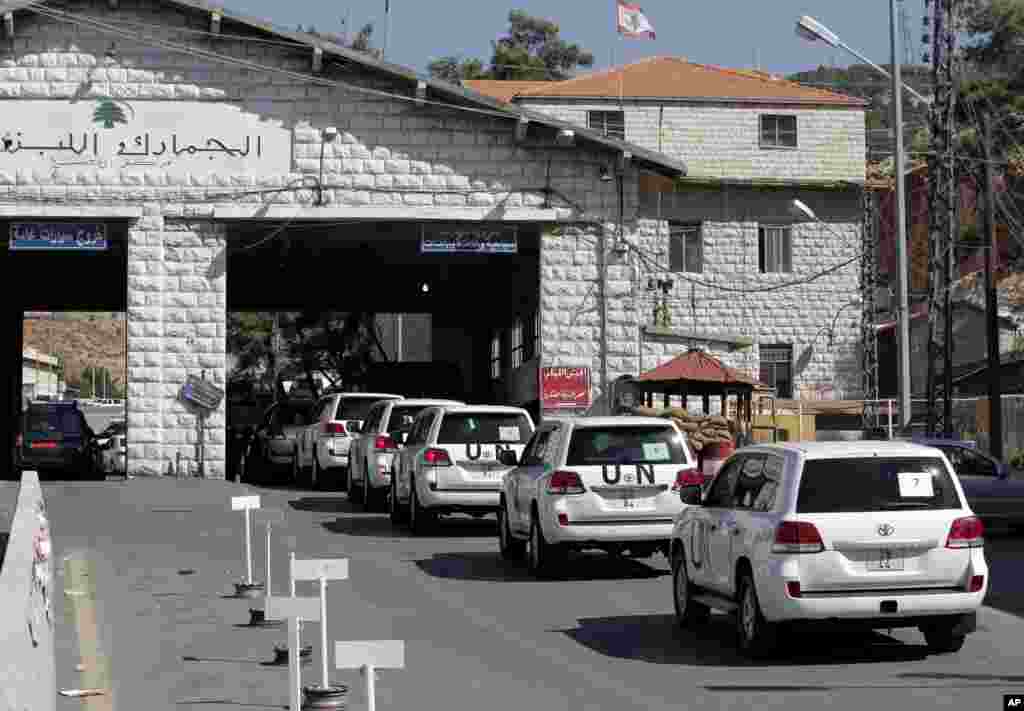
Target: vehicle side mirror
(508, 457)
(690, 495)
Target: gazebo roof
(696, 366)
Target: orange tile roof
(670, 78)
(502, 90)
(697, 366)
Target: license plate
(886, 559)
(491, 475)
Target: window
(777, 369)
(720, 494)
(778, 131)
(749, 483)
(355, 408)
(531, 335)
(402, 417)
(496, 356)
(536, 449)
(610, 123)
(685, 248)
(775, 249)
(625, 445)
(517, 343)
(765, 500)
(372, 423)
(968, 463)
(484, 428)
(420, 429)
(873, 484)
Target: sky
(732, 33)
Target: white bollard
(321, 570)
(246, 504)
(294, 609)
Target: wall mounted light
(606, 175)
(425, 288)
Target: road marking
(79, 585)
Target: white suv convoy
(877, 534)
(608, 483)
(323, 447)
(383, 433)
(454, 461)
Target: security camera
(330, 133)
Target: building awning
(699, 369)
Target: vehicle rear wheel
(369, 495)
(755, 634)
(420, 519)
(350, 487)
(542, 556)
(511, 548)
(315, 478)
(941, 639)
(689, 612)
(394, 505)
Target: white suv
(609, 483)
(877, 534)
(451, 462)
(324, 446)
(383, 433)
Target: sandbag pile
(700, 430)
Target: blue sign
(462, 239)
(74, 236)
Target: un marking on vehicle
(613, 475)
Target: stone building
(750, 283)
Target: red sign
(562, 388)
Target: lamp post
(811, 29)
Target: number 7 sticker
(916, 485)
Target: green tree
(532, 50)
(108, 113)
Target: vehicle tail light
(563, 519)
(20, 441)
(793, 588)
(976, 584)
(44, 445)
(385, 443)
(688, 477)
(967, 532)
(563, 482)
(337, 428)
(797, 537)
(437, 458)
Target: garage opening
(65, 316)
(455, 304)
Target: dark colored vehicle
(55, 436)
(271, 450)
(992, 490)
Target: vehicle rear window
(354, 408)
(44, 420)
(484, 428)
(626, 445)
(402, 417)
(875, 484)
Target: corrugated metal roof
(697, 366)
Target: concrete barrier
(28, 675)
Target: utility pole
(869, 336)
(387, 28)
(942, 201)
(901, 222)
(995, 403)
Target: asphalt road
(480, 633)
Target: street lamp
(809, 28)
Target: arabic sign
(202, 392)
(187, 137)
(562, 388)
(58, 236)
(465, 239)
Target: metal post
(991, 306)
(371, 688)
(602, 278)
(901, 222)
(291, 579)
(294, 677)
(248, 547)
(323, 629)
(890, 423)
(387, 31)
(268, 588)
(398, 337)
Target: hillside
(82, 342)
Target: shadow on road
(323, 504)
(1005, 678)
(1004, 552)
(490, 567)
(380, 526)
(657, 639)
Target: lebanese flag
(633, 22)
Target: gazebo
(695, 373)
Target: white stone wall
(723, 141)
(177, 321)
